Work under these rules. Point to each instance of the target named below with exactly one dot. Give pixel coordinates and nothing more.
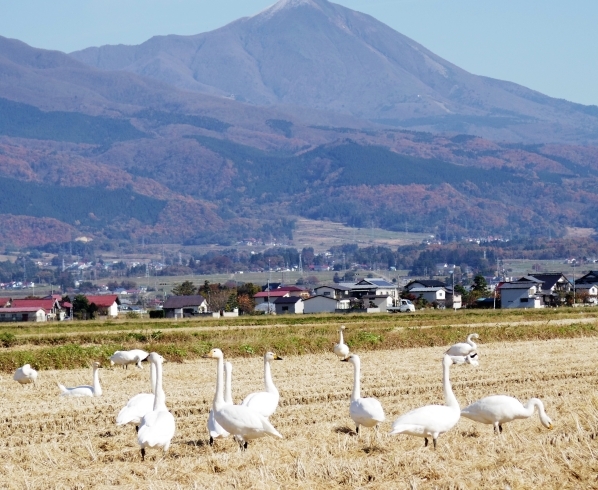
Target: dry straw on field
(52, 442)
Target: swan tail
(402, 428)
(270, 430)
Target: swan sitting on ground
(125, 357)
(25, 375)
(139, 405)
(341, 349)
(238, 420)
(500, 409)
(463, 348)
(214, 429)
(364, 411)
(265, 402)
(471, 359)
(157, 427)
(432, 420)
(95, 390)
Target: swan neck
(471, 342)
(228, 392)
(219, 395)
(153, 377)
(342, 339)
(531, 404)
(449, 397)
(269, 384)
(97, 389)
(160, 397)
(356, 395)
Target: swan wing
(76, 391)
(460, 349)
(243, 421)
(262, 402)
(495, 408)
(428, 419)
(366, 411)
(214, 428)
(157, 429)
(136, 408)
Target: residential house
(590, 278)
(520, 294)
(271, 296)
(5, 302)
(23, 314)
(588, 290)
(50, 305)
(295, 291)
(335, 291)
(552, 287)
(430, 294)
(325, 304)
(452, 299)
(424, 283)
(107, 304)
(185, 306)
(288, 304)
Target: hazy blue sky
(546, 45)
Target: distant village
(367, 295)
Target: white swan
(139, 405)
(125, 357)
(471, 359)
(341, 349)
(463, 348)
(157, 427)
(240, 421)
(86, 390)
(364, 411)
(500, 409)
(214, 429)
(265, 402)
(432, 420)
(25, 375)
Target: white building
(520, 295)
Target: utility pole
(573, 282)
(268, 287)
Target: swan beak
(346, 359)
(550, 426)
(278, 358)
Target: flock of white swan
(155, 425)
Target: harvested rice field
(48, 441)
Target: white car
(403, 306)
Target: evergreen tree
(186, 288)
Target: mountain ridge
(320, 55)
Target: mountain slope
(319, 55)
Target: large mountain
(120, 156)
(313, 54)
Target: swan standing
(364, 411)
(341, 349)
(240, 421)
(86, 390)
(500, 409)
(25, 375)
(139, 405)
(214, 429)
(265, 402)
(463, 348)
(125, 357)
(432, 420)
(158, 426)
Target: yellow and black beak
(278, 358)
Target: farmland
(52, 442)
